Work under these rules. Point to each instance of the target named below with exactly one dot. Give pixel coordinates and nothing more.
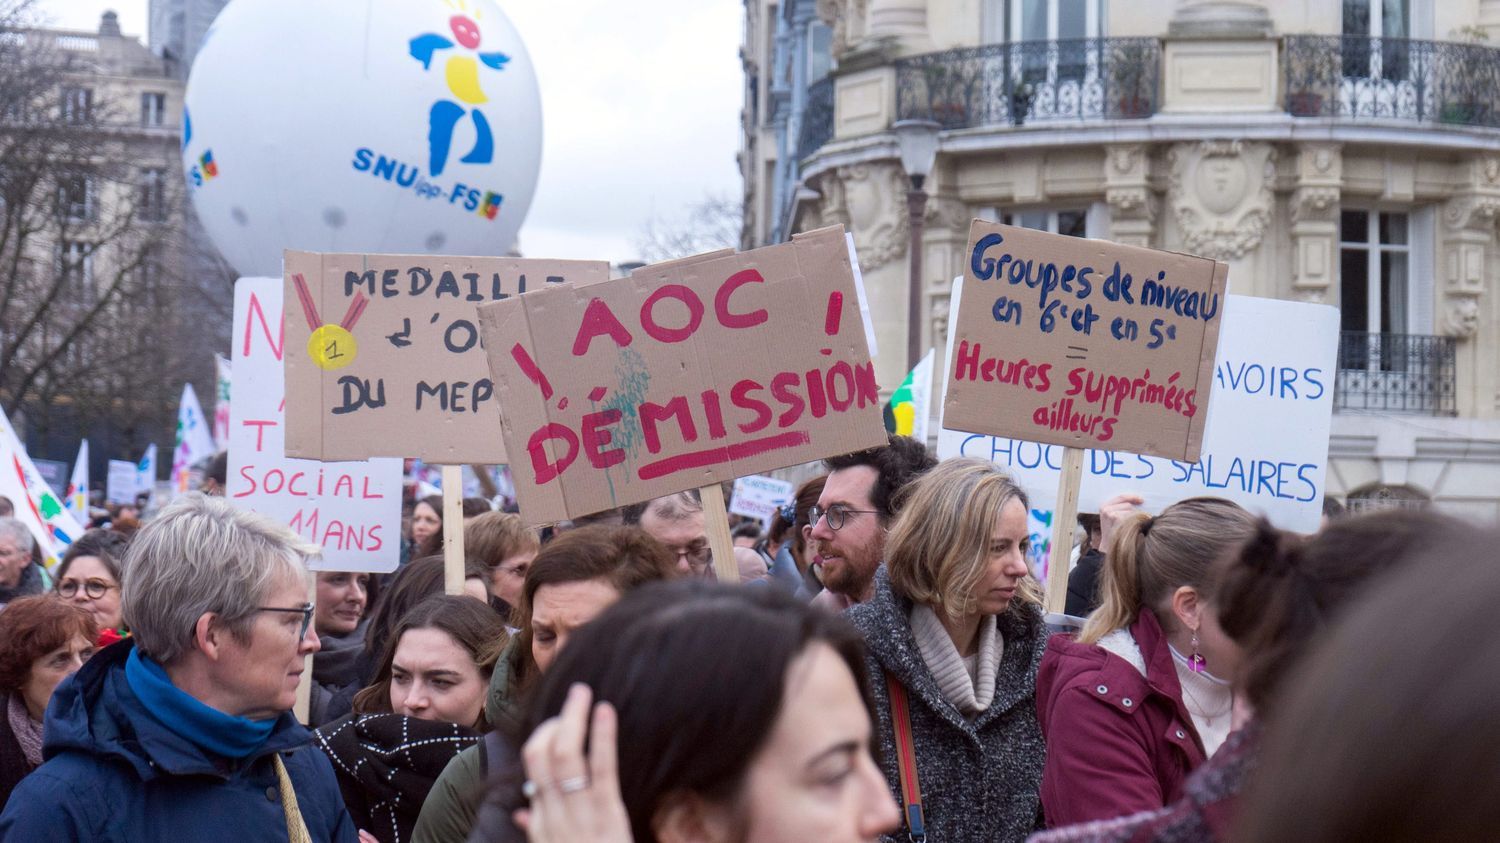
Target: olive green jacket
(448, 814)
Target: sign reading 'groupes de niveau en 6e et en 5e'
(1084, 343)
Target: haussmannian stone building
(1338, 152)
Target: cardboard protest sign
(759, 497)
(1265, 444)
(683, 375)
(1084, 343)
(351, 509)
(384, 357)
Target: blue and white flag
(76, 501)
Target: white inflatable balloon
(361, 126)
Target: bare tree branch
(106, 305)
(713, 222)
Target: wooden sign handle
(716, 522)
(1064, 515)
(453, 529)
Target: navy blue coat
(113, 774)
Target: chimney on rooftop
(109, 24)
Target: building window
(153, 108)
(1377, 498)
(1064, 22)
(819, 50)
(1388, 361)
(1374, 267)
(75, 197)
(1053, 20)
(153, 195)
(1073, 221)
(1375, 33)
(77, 104)
(149, 273)
(75, 264)
(14, 108)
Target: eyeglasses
(94, 588)
(838, 515)
(306, 611)
(518, 571)
(698, 556)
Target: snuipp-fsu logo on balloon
(454, 120)
(398, 127)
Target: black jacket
(1083, 585)
(13, 763)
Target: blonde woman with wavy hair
(1142, 697)
(955, 638)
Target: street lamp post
(918, 140)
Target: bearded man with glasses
(184, 731)
(849, 522)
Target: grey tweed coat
(981, 780)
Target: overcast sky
(640, 104)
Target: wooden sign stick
(453, 529)
(716, 522)
(1064, 516)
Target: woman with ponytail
(1276, 596)
(1142, 696)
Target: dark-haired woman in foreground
(755, 726)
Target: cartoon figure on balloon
(461, 70)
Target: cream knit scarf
(971, 696)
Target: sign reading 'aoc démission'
(684, 374)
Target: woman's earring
(1196, 662)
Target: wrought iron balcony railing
(1395, 373)
(817, 118)
(1031, 81)
(1391, 78)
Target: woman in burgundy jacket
(1277, 597)
(1141, 698)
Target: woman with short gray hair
(197, 704)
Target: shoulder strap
(906, 760)
(296, 829)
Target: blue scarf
(224, 735)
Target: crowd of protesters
(884, 669)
